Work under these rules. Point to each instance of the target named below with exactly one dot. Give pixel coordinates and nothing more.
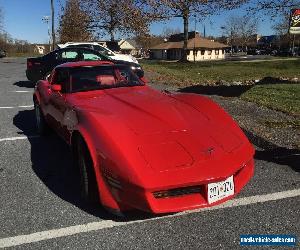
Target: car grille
(177, 192)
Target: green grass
(184, 74)
(282, 97)
(283, 124)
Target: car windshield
(102, 77)
(103, 50)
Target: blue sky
(23, 20)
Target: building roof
(197, 42)
(112, 45)
(180, 37)
(134, 43)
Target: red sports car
(139, 148)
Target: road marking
(19, 138)
(94, 226)
(23, 106)
(21, 91)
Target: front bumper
(135, 197)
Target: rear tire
(88, 183)
(41, 124)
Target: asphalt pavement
(40, 206)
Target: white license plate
(220, 190)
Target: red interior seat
(106, 79)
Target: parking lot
(40, 205)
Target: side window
(69, 54)
(100, 49)
(90, 56)
(61, 77)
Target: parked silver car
(2, 53)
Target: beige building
(130, 47)
(199, 49)
(39, 49)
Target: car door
(57, 105)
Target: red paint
(144, 141)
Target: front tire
(41, 124)
(88, 183)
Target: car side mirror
(140, 73)
(56, 87)
(48, 77)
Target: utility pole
(194, 52)
(293, 45)
(52, 19)
(45, 19)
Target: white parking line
(21, 91)
(11, 107)
(19, 138)
(94, 226)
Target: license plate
(220, 190)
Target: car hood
(127, 58)
(160, 125)
(142, 109)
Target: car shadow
(52, 162)
(25, 84)
(222, 90)
(281, 156)
(230, 90)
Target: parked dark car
(2, 53)
(39, 67)
(286, 52)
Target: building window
(187, 52)
(209, 52)
(202, 52)
(217, 52)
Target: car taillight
(29, 64)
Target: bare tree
(118, 17)
(240, 30)
(73, 25)
(3, 42)
(167, 31)
(187, 8)
(281, 27)
(1, 21)
(52, 24)
(273, 8)
(147, 41)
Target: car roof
(77, 43)
(84, 64)
(80, 48)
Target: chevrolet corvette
(139, 148)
